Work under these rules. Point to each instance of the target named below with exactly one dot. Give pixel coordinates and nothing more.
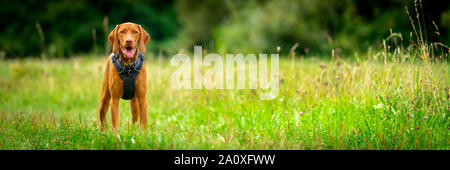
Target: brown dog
(127, 39)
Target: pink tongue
(129, 53)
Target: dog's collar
(122, 66)
(128, 64)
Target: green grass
(346, 104)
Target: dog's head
(127, 37)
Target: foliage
(67, 28)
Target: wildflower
(425, 117)
(301, 113)
(411, 116)
(322, 65)
(378, 106)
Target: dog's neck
(126, 59)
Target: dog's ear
(144, 39)
(114, 39)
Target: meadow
(373, 101)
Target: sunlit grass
(323, 104)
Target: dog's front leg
(105, 98)
(104, 104)
(115, 113)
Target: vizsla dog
(125, 76)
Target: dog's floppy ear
(144, 39)
(114, 39)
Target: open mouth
(129, 51)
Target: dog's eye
(135, 32)
(122, 32)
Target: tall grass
(337, 104)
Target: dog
(127, 40)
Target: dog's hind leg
(134, 109)
(143, 111)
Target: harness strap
(128, 74)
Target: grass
(362, 103)
(397, 98)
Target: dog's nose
(128, 40)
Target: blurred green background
(48, 28)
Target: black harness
(128, 73)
